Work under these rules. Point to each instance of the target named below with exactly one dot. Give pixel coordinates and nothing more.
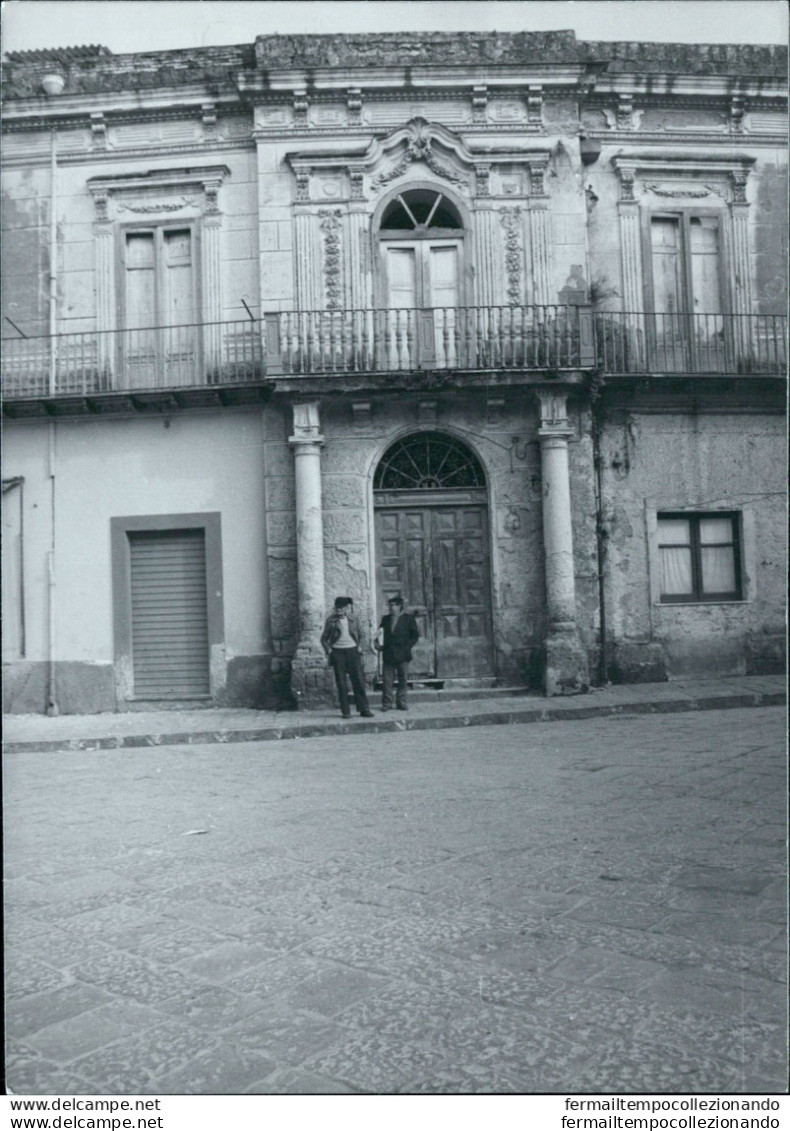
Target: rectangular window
(160, 280)
(160, 307)
(699, 556)
(685, 301)
(685, 264)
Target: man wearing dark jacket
(398, 633)
(340, 641)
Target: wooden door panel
(437, 558)
(461, 589)
(403, 565)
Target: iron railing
(639, 343)
(392, 340)
(162, 357)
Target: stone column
(309, 672)
(566, 669)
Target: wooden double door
(436, 554)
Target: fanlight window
(428, 461)
(419, 210)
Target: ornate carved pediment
(381, 162)
(420, 143)
(428, 144)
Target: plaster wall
(767, 227)
(189, 463)
(26, 236)
(703, 461)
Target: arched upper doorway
(421, 242)
(432, 546)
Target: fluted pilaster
(540, 255)
(488, 258)
(309, 274)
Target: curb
(392, 726)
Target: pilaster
(540, 253)
(308, 261)
(212, 288)
(488, 256)
(105, 291)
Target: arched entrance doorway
(432, 545)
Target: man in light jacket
(398, 633)
(340, 641)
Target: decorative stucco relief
(159, 206)
(419, 148)
(329, 221)
(514, 255)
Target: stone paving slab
(37, 733)
(597, 904)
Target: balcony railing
(307, 342)
(691, 343)
(163, 357)
(470, 338)
(390, 341)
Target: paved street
(591, 905)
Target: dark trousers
(388, 675)
(348, 662)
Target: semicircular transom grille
(428, 461)
(419, 210)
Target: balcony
(691, 344)
(218, 361)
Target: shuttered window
(170, 651)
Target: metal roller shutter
(169, 614)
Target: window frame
(158, 228)
(698, 596)
(684, 216)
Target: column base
(312, 680)
(566, 670)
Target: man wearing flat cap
(398, 633)
(340, 641)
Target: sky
(150, 25)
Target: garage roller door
(170, 652)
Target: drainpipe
(600, 532)
(52, 693)
(53, 265)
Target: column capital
(307, 425)
(553, 404)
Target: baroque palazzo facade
(492, 321)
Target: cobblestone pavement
(591, 905)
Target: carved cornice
(207, 178)
(674, 166)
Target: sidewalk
(167, 728)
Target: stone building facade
(493, 321)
